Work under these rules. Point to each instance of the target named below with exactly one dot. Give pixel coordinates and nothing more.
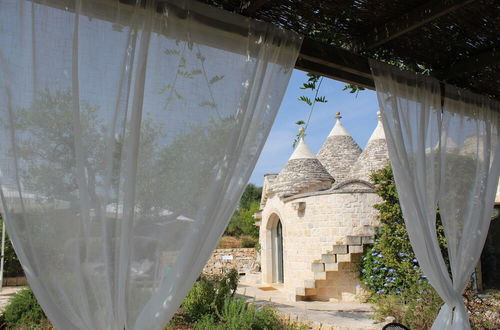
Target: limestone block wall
(242, 259)
(325, 221)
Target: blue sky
(358, 117)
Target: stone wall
(242, 259)
(15, 281)
(312, 228)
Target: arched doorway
(277, 247)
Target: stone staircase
(336, 276)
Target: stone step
(354, 240)
(351, 257)
(356, 248)
(359, 240)
(331, 266)
(328, 258)
(305, 291)
(310, 284)
(320, 276)
(342, 257)
(339, 249)
(318, 267)
(368, 239)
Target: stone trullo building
(317, 214)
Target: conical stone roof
(375, 155)
(339, 152)
(302, 173)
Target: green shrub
(211, 305)
(266, 318)
(249, 241)
(236, 313)
(390, 270)
(199, 301)
(423, 308)
(24, 311)
(390, 266)
(12, 266)
(207, 322)
(208, 295)
(388, 305)
(417, 310)
(242, 222)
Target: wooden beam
(334, 58)
(333, 73)
(473, 63)
(412, 20)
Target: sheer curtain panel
(445, 153)
(128, 133)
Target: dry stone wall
(242, 259)
(15, 281)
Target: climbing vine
(313, 84)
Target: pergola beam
(412, 20)
(333, 73)
(334, 62)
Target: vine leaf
(165, 89)
(215, 79)
(321, 99)
(308, 85)
(184, 74)
(306, 100)
(182, 62)
(208, 104)
(200, 57)
(172, 52)
(353, 88)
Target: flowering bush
(390, 270)
(387, 274)
(390, 266)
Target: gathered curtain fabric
(445, 154)
(128, 133)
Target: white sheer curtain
(442, 156)
(127, 136)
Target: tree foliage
(23, 312)
(12, 266)
(390, 270)
(390, 266)
(251, 195)
(242, 222)
(313, 84)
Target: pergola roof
(456, 41)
